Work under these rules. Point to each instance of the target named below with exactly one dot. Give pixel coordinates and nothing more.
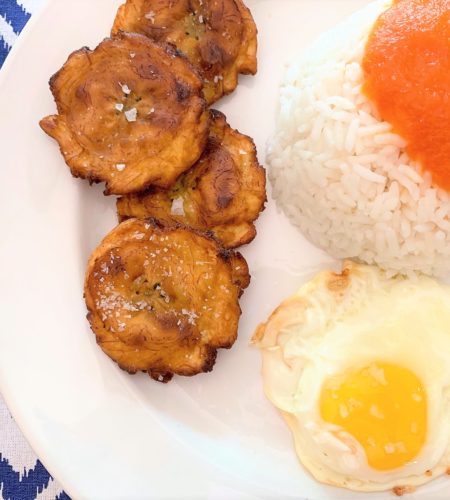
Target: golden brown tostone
(130, 114)
(163, 300)
(217, 36)
(224, 192)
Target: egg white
(344, 322)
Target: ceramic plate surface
(102, 433)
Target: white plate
(103, 433)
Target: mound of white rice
(342, 175)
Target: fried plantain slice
(224, 192)
(163, 299)
(219, 37)
(130, 113)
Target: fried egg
(359, 366)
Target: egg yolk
(384, 407)
(407, 75)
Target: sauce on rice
(407, 75)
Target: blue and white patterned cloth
(22, 475)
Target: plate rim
(5, 388)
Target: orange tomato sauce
(407, 75)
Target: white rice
(342, 175)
